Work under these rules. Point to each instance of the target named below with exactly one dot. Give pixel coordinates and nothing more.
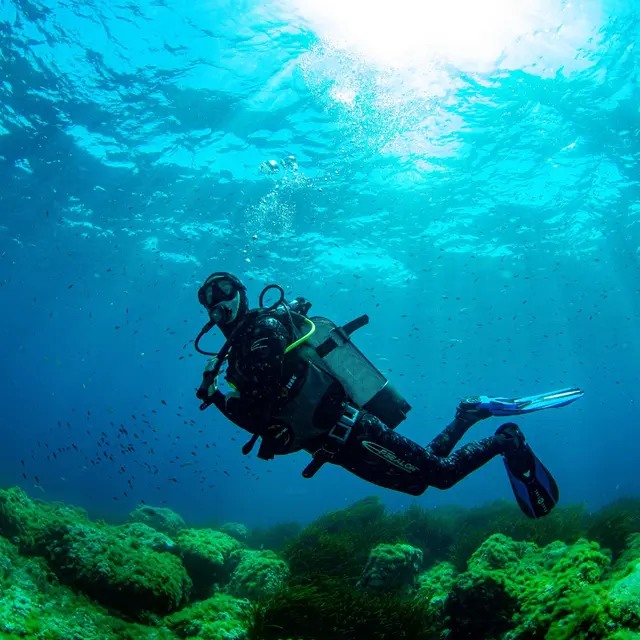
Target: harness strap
(335, 440)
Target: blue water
(479, 201)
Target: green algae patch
(434, 587)
(117, 572)
(161, 519)
(624, 588)
(236, 530)
(206, 554)
(34, 605)
(29, 523)
(221, 617)
(139, 534)
(352, 574)
(257, 574)
(392, 567)
(523, 591)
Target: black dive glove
(209, 384)
(471, 410)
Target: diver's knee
(442, 481)
(417, 490)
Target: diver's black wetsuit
(373, 451)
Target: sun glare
(469, 34)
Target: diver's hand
(300, 305)
(209, 384)
(470, 410)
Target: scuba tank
(365, 385)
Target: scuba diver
(299, 383)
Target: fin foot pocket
(534, 487)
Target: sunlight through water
(468, 34)
(398, 71)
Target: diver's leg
(449, 470)
(382, 456)
(466, 416)
(442, 445)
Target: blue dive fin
(528, 404)
(534, 487)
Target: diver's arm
(208, 391)
(262, 350)
(229, 405)
(232, 407)
(262, 362)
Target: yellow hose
(304, 338)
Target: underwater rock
(522, 591)
(392, 567)
(119, 571)
(144, 535)
(236, 530)
(160, 518)
(33, 605)
(434, 586)
(221, 617)
(480, 605)
(18, 591)
(630, 553)
(482, 600)
(499, 553)
(256, 573)
(510, 590)
(624, 595)
(28, 523)
(205, 553)
(624, 598)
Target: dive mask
(220, 296)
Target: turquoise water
(466, 175)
